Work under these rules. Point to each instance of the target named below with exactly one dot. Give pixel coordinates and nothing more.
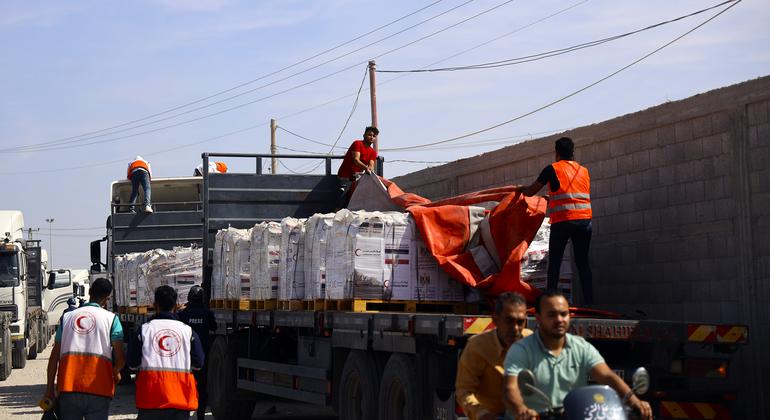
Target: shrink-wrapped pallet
(265, 257)
(398, 256)
(239, 272)
(317, 236)
(180, 268)
(218, 272)
(339, 254)
(231, 285)
(431, 282)
(291, 268)
(534, 264)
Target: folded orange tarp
(477, 238)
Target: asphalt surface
(20, 393)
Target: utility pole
(50, 242)
(273, 148)
(373, 100)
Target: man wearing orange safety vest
(214, 168)
(139, 173)
(87, 339)
(569, 209)
(165, 351)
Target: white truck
(23, 294)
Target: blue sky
(70, 68)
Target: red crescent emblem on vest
(166, 342)
(84, 323)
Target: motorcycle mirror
(640, 381)
(526, 382)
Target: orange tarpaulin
(477, 238)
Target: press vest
(137, 164)
(572, 201)
(165, 377)
(86, 352)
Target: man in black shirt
(202, 321)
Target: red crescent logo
(161, 345)
(84, 323)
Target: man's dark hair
(100, 289)
(509, 298)
(546, 295)
(372, 129)
(565, 148)
(165, 298)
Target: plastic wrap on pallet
(534, 265)
(399, 256)
(264, 257)
(240, 270)
(431, 282)
(317, 231)
(339, 254)
(180, 268)
(232, 277)
(217, 273)
(291, 268)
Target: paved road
(20, 393)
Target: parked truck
(22, 292)
(380, 363)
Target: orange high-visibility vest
(86, 352)
(137, 164)
(572, 201)
(221, 167)
(165, 377)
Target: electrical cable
(15, 150)
(576, 92)
(554, 53)
(250, 81)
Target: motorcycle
(592, 402)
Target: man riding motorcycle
(560, 362)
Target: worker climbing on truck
(214, 168)
(479, 385)
(569, 209)
(139, 172)
(360, 157)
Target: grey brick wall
(681, 197)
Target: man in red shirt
(361, 157)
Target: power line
(554, 53)
(248, 82)
(63, 144)
(562, 99)
(15, 150)
(303, 137)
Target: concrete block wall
(681, 200)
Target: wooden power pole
(273, 148)
(373, 99)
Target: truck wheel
(43, 337)
(399, 398)
(19, 354)
(32, 353)
(359, 386)
(221, 383)
(7, 364)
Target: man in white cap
(139, 173)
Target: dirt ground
(20, 393)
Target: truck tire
(43, 337)
(7, 363)
(399, 396)
(19, 354)
(224, 399)
(359, 386)
(32, 353)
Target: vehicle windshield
(9, 269)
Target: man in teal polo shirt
(560, 362)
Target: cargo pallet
(237, 304)
(141, 310)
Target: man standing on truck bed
(139, 173)
(214, 168)
(569, 209)
(165, 351)
(360, 157)
(479, 385)
(86, 340)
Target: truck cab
(63, 284)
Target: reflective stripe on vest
(137, 164)
(165, 377)
(572, 201)
(86, 352)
